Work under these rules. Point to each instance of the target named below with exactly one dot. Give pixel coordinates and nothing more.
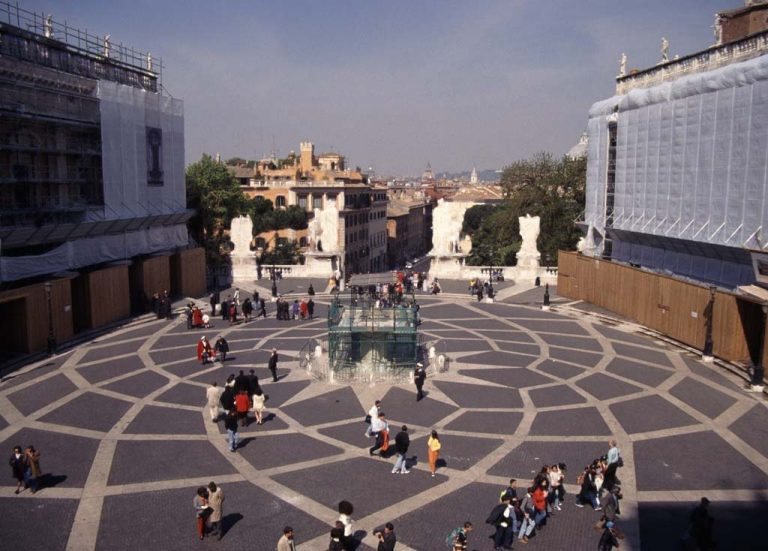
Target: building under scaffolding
(371, 334)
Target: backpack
(620, 462)
(451, 538)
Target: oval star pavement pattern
(125, 442)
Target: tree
(284, 252)
(541, 186)
(216, 197)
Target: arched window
(302, 242)
(280, 201)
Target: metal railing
(431, 353)
(88, 45)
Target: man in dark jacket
(503, 518)
(242, 383)
(227, 399)
(418, 378)
(253, 383)
(387, 538)
(402, 441)
(272, 365)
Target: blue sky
(393, 84)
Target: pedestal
(528, 265)
(244, 267)
(317, 264)
(447, 266)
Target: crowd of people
(303, 309)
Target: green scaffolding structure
(371, 334)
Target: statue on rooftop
(107, 45)
(623, 65)
(49, 26)
(664, 50)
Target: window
(303, 201)
(317, 201)
(302, 242)
(280, 201)
(260, 242)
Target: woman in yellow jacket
(433, 451)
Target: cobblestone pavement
(125, 442)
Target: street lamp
(545, 306)
(707, 355)
(51, 337)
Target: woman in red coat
(197, 317)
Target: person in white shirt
(379, 427)
(373, 413)
(212, 395)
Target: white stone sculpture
(314, 231)
(328, 219)
(718, 30)
(49, 26)
(664, 50)
(149, 61)
(529, 232)
(241, 235)
(623, 65)
(107, 46)
(447, 219)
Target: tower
(473, 176)
(307, 152)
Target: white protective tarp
(690, 164)
(95, 250)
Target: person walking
(33, 472)
(345, 518)
(372, 414)
(433, 451)
(262, 309)
(18, 463)
(614, 461)
(222, 348)
(227, 399)
(202, 510)
(230, 423)
(214, 301)
(225, 309)
(461, 537)
(311, 308)
(503, 518)
(418, 378)
(242, 405)
(272, 365)
(402, 441)
(610, 537)
(528, 524)
(259, 400)
(387, 538)
(215, 501)
(378, 428)
(286, 543)
(212, 397)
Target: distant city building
(427, 175)
(579, 151)
(473, 177)
(93, 196)
(312, 182)
(676, 176)
(409, 226)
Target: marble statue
(447, 219)
(49, 27)
(241, 235)
(664, 50)
(107, 45)
(623, 65)
(149, 61)
(314, 231)
(718, 30)
(529, 231)
(327, 229)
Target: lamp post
(758, 371)
(51, 337)
(707, 355)
(545, 306)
